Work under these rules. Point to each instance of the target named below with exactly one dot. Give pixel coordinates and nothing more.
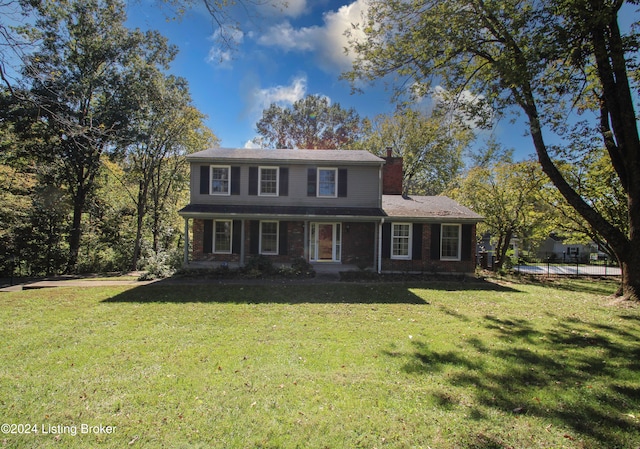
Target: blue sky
(281, 55)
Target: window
(222, 236)
(450, 242)
(268, 237)
(401, 241)
(327, 182)
(268, 181)
(220, 176)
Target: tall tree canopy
(78, 82)
(431, 148)
(548, 59)
(312, 123)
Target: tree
(310, 123)
(164, 128)
(594, 177)
(507, 194)
(77, 81)
(431, 148)
(546, 59)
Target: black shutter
(435, 241)
(236, 241)
(235, 180)
(204, 180)
(254, 237)
(416, 245)
(253, 180)
(467, 241)
(386, 240)
(284, 181)
(283, 244)
(342, 182)
(311, 181)
(207, 238)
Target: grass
(475, 365)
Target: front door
(325, 242)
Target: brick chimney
(392, 175)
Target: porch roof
(280, 212)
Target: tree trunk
(141, 212)
(75, 234)
(629, 260)
(505, 247)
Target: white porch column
(305, 244)
(185, 261)
(242, 238)
(380, 245)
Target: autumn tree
(310, 123)
(546, 59)
(77, 81)
(507, 195)
(164, 128)
(431, 147)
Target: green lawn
(459, 365)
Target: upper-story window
(327, 182)
(268, 181)
(220, 180)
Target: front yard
(397, 365)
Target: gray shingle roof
(280, 211)
(288, 156)
(427, 208)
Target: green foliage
(508, 196)
(431, 147)
(92, 89)
(310, 123)
(549, 60)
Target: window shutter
(467, 242)
(204, 180)
(342, 182)
(235, 180)
(416, 245)
(284, 181)
(207, 238)
(311, 181)
(435, 241)
(236, 241)
(253, 180)
(386, 240)
(254, 237)
(283, 243)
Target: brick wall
(358, 244)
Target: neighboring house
(554, 249)
(327, 206)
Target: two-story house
(326, 206)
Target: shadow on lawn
(577, 375)
(285, 292)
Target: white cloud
(225, 43)
(287, 8)
(260, 99)
(328, 41)
(250, 144)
